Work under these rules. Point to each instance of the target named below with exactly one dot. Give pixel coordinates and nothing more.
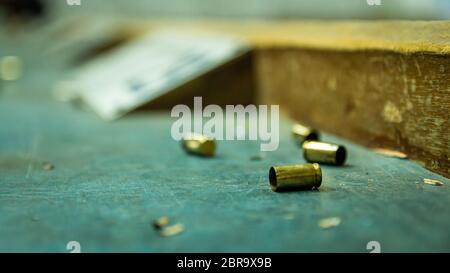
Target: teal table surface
(112, 179)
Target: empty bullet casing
(199, 145)
(302, 133)
(321, 152)
(295, 177)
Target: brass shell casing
(303, 133)
(199, 145)
(295, 177)
(322, 152)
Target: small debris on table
(432, 182)
(258, 157)
(172, 230)
(289, 216)
(161, 222)
(329, 222)
(390, 153)
(48, 166)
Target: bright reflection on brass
(302, 133)
(199, 145)
(172, 230)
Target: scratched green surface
(111, 179)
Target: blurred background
(36, 29)
(269, 9)
(275, 9)
(43, 41)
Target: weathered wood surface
(376, 98)
(398, 36)
(383, 84)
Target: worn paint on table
(111, 179)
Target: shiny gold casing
(199, 145)
(322, 152)
(295, 177)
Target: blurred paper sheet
(142, 70)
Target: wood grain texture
(377, 98)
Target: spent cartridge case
(322, 152)
(295, 177)
(303, 133)
(199, 145)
